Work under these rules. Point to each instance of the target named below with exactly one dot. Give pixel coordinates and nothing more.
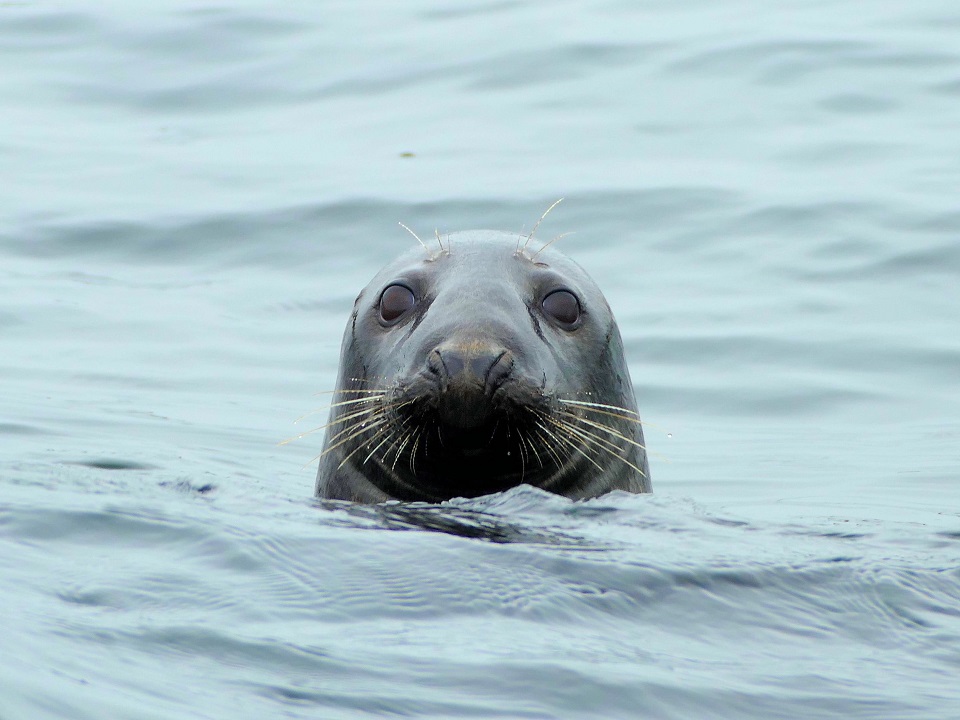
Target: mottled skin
(436, 431)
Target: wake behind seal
(477, 366)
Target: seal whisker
(532, 447)
(391, 433)
(339, 392)
(357, 401)
(367, 381)
(545, 213)
(361, 413)
(368, 418)
(550, 242)
(583, 403)
(494, 431)
(399, 432)
(362, 446)
(612, 449)
(416, 236)
(582, 433)
(634, 420)
(585, 435)
(606, 446)
(413, 450)
(549, 447)
(366, 428)
(327, 407)
(599, 426)
(354, 401)
(373, 412)
(546, 435)
(566, 438)
(523, 455)
(574, 431)
(406, 440)
(362, 424)
(361, 421)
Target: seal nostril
(435, 362)
(499, 370)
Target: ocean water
(193, 194)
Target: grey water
(193, 194)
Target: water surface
(193, 196)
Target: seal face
(476, 369)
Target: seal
(478, 367)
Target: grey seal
(477, 367)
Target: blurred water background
(192, 195)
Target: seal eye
(395, 301)
(562, 306)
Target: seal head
(478, 368)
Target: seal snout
(469, 372)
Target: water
(194, 194)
